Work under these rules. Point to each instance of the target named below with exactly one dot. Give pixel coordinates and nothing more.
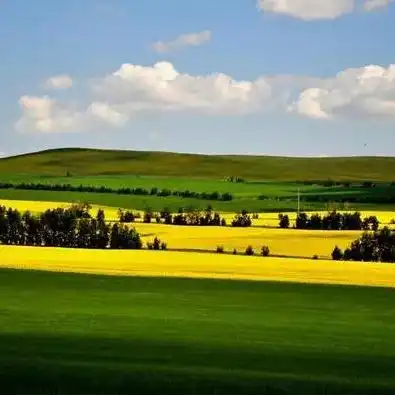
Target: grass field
(174, 203)
(80, 334)
(105, 322)
(107, 162)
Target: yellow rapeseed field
(282, 242)
(197, 265)
(287, 242)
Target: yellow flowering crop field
(196, 265)
(282, 242)
(287, 242)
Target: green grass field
(109, 162)
(80, 334)
(174, 203)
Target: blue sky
(303, 78)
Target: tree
(284, 221)
(265, 251)
(302, 221)
(249, 251)
(337, 254)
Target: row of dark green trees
(331, 221)
(378, 246)
(70, 228)
(226, 196)
(187, 217)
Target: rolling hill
(80, 161)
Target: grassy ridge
(110, 162)
(80, 334)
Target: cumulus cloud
(371, 5)
(182, 41)
(117, 98)
(319, 9)
(62, 81)
(366, 91)
(132, 89)
(308, 9)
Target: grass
(197, 265)
(174, 203)
(239, 190)
(84, 334)
(86, 162)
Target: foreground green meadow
(85, 334)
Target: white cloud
(319, 9)
(62, 81)
(371, 5)
(131, 90)
(361, 92)
(185, 40)
(308, 9)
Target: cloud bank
(114, 100)
(310, 10)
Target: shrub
(156, 244)
(126, 216)
(220, 250)
(315, 257)
(337, 254)
(265, 251)
(249, 251)
(223, 222)
(284, 221)
(163, 246)
(242, 220)
(234, 252)
(147, 217)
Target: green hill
(79, 161)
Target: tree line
(378, 246)
(331, 221)
(67, 228)
(187, 217)
(225, 197)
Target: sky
(270, 77)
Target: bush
(265, 251)
(234, 252)
(147, 217)
(242, 220)
(163, 246)
(126, 216)
(337, 254)
(284, 221)
(220, 250)
(249, 251)
(315, 257)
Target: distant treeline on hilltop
(225, 197)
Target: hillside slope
(80, 161)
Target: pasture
(85, 334)
(88, 162)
